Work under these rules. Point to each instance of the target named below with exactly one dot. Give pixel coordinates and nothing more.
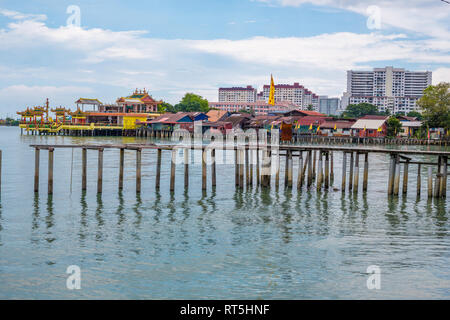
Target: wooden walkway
(316, 164)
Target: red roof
(311, 113)
(374, 117)
(340, 124)
(314, 120)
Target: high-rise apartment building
(389, 88)
(329, 106)
(295, 94)
(237, 94)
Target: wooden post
(286, 169)
(332, 168)
(319, 171)
(258, 171)
(405, 177)
(213, 167)
(327, 170)
(314, 164)
(251, 165)
(300, 170)
(356, 182)
(83, 169)
(344, 170)
(186, 168)
(138, 170)
(391, 175)
(100, 171)
(437, 184)
(241, 167)
(50, 170)
(439, 178)
(444, 177)
(158, 169)
(172, 169)
(236, 166)
(397, 175)
(121, 165)
(366, 171)
(277, 172)
(430, 182)
(290, 169)
(247, 169)
(350, 177)
(309, 168)
(36, 168)
(419, 179)
(203, 169)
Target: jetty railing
(315, 164)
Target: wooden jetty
(309, 171)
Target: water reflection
(83, 219)
(49, 220)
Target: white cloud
(428, 17)
(21, 16)
(441, 75)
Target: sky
(172, 47)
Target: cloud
(21, 16)
(427, 17)
(441, 75)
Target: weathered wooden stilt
(236, 166)
(50, 170)
(344, 170)
(356, 182)
(350, 177)
(419, 179)
(203, 169)
(286, 169)
(121, 166)
(327, 170)
(290, 169)
(100, 171)
(391, 175)
(405, 178)
(36, 168)
(277, 172)
(241, 167)
(83, 169)
(158, 169)
(252, 154)
(213, 167)
(309, 168)
(366, 171)
(247, 169)
(186, 168)
(314, 164)
(444, 177)
(258, 169)
(430, 182)
(331, 168)
(397, 175)
(172, 169)
(319, 172)
(300, 171)
(138, 170)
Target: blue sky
(173, 47)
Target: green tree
(360, 110)
(310, 107)
(165, 107)
(192, 103)
(415, 114)
(393, 126)
(435, 105)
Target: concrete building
(329, 106)
(389, 88)
(237, 94)
(296, 94)
(258, 107)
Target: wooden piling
(83, 169)
(247, 169)
(350, 177)
(241, 167)
(405, 177)
(444, 177)
(121, 166)
(327, 170)
(419, 179)
(290, 169)
(138, 170)
(366, 171)
(172, 169)
(437, 184)
(286, 169)
(213, 167)
(430, 182)
(397, 175)
(258, 170)
(331, 168)
(186, 168)
(319, 172)
(252, 154)
(314, 164)
(50, 170)
(309, 168)
(36, 168)
(277, 169)
(203, 169)
(236, 166)
(100, 171)
(356, 182)
(158, 169)
(344, 170)
(391, 177)
(300, 170)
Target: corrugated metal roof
(371, 124)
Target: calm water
(224, 244)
